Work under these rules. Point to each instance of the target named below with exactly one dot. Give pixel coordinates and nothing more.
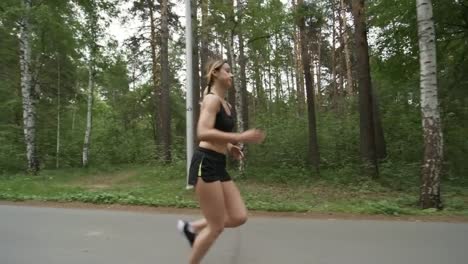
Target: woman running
(220, 200)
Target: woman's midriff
(220, 148)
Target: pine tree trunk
(349, 74)
(341, 59)
(367, 127)
(277, 75)
(57, 154)
(299, 68)
(27, 91)
(334, 87)
(260, 93)
(164, 100)
(155, 73)
(380, 144)
(195, 69)
(314, 157)
(433, 139)
(204, 41)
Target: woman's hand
(252, 136)
(235, 152)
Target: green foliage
(164, 186)
(384, 207)
(279, 147)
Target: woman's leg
(211, 199)
(236, 212)
(198, 225)
(235, 207)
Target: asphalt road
(85, 236)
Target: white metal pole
(189, 85)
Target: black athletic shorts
(208, 165)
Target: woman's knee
(238, 219)
(215, 230)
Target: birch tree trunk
(244, 100)
(431, 123)
(232, 93)
(89, 115)
(231, 96)
(238, 89)
(319, 67)
(27, 90)
(91, 76)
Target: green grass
(279, 190)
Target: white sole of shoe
(180, 226)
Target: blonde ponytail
(211, 67)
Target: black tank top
(224, 122)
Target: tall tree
(155, 69)
(314, 156)
(195, 67)
(334, 86)
(345, 41)
(165, 113)
(367, 132)
(92, 21)
(299, 67)
(204, 41)
(319, 67)
(57, 154)
(242, 68)
(229, 35)
(432, 131)
(237, 102)
(380, 143)
(241, 87)
(28, 88)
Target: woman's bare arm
(205, 130)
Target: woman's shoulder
(211, 102)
